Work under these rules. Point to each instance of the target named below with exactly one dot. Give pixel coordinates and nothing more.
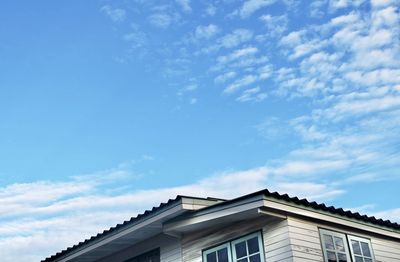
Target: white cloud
(136, 37)
(206, 31)
(160, 20)
(293, 38)
(315, 8)
(275, 25)
(252, 95)
(382, 3)
(239, 83)
(391, 214)
(307, 168)
(224, 77)
(237, 54)
(340, 4)
(238, 36)
(309, 190)
(115, 14)
(185, 5)
(211, 10)
(251, 6)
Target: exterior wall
(274, 231)
(306, 244)
(170, 250)
(285, 240)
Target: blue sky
(110, 107)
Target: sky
(108, 108)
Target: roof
(316, 206)
(221, 202)
(119, 227)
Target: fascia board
(286, 207)
(175, 209)
(213, 213)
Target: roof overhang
(273, 205)
(134, 232)
(219, 214)
(263, 205)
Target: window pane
(339, 244)
(356, 247)
(342, 257)
(212, 257)
(359, 259)
(243, 260)
(252, 244)
(255, 258)
(241, 249)
(331, 256)
(223, 255)
(367, 260)
(365, 249)
(328, 242)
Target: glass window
(334, 246)
(217, 254)
(361, 249)
(246, 249)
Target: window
(245, 249)
(218, 254)
(361, 249)
(336, 247)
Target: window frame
(216, 248)
(245, 238)
(323, 232)
(231, 249)
(350, 256)
(360, 239)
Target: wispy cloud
(160, 20)
(251, 6)
(115, 14)
(69, 211)
(185, 5)
(206, 31)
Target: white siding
(385, 251)
(275, 239)
(285, 240)
(306, 244)
(171, 251)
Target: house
(259, 227)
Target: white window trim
(245, 238)
(360, 239)
(348, 246)
(211, 250)
(231, 250)
(334, 234)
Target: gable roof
(179, 200)
(220, 203)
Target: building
(259, 227)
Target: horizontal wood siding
(274, 231)
(306, 244)
(304, 240)
(171, 251)
(276, 241)
(386, 251)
